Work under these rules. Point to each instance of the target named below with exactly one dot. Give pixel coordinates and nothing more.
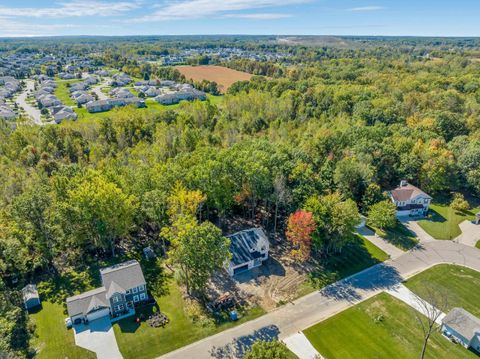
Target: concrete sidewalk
(401, 292)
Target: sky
(272, 17)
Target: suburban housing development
(237, 196)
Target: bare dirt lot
(223, 76)
(277, 281)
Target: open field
(223, 76)
(380, 327)
(443, 221)
(52, 339)
(457, 281)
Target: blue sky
(179, 17)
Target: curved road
(317, 306)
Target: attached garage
(99, 313)
(240, 269)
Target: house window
(141, 287)
(143, 296)
(115, 299)
(135, 298)
(135, 290)
(128, 291)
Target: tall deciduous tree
(267, 350)
(336, 219)
(197, 249)
(101, 210)
(383, 214)
(301, 225)
(184, 202)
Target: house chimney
(403, 183)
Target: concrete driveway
(98, 337)
(414, 227)
(470, 233)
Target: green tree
(382, 214)
(197, 249)
(335, 218)
(352, 177)
(262, 349)
(459, 203)
(101, 211)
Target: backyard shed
(31, 298)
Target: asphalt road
(32, 111)
(317, 306)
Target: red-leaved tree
(300, 227)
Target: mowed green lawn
(381, 327)
(152, 108)
(399, 236)
(52, 340)
(460, 283)
(143, 341)
(443, 221)
(358, 254)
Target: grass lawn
(358, 254)
(459, 282)
(143, 341)
(63, 93)
(152, 107)
(399, 236)
(52, 339)
(380, 327)
(442, 221)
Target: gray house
(463, 327)
(31, 298)
(123, 285)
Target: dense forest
(329, 127)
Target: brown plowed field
(223, 76)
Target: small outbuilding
(31, 298)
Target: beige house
(410, 200)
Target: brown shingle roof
(407, 192)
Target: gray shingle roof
(83, 303)
(242, 243)
(463, 322)
(127, 275)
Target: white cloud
(75, 8)
(366, 8)
(260, 16)
(194, 9)
(13, 28)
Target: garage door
(98, 314)
(240, 269)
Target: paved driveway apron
(315, 307)
(98, 337)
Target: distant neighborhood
(29, 85)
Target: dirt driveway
(277, 281)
